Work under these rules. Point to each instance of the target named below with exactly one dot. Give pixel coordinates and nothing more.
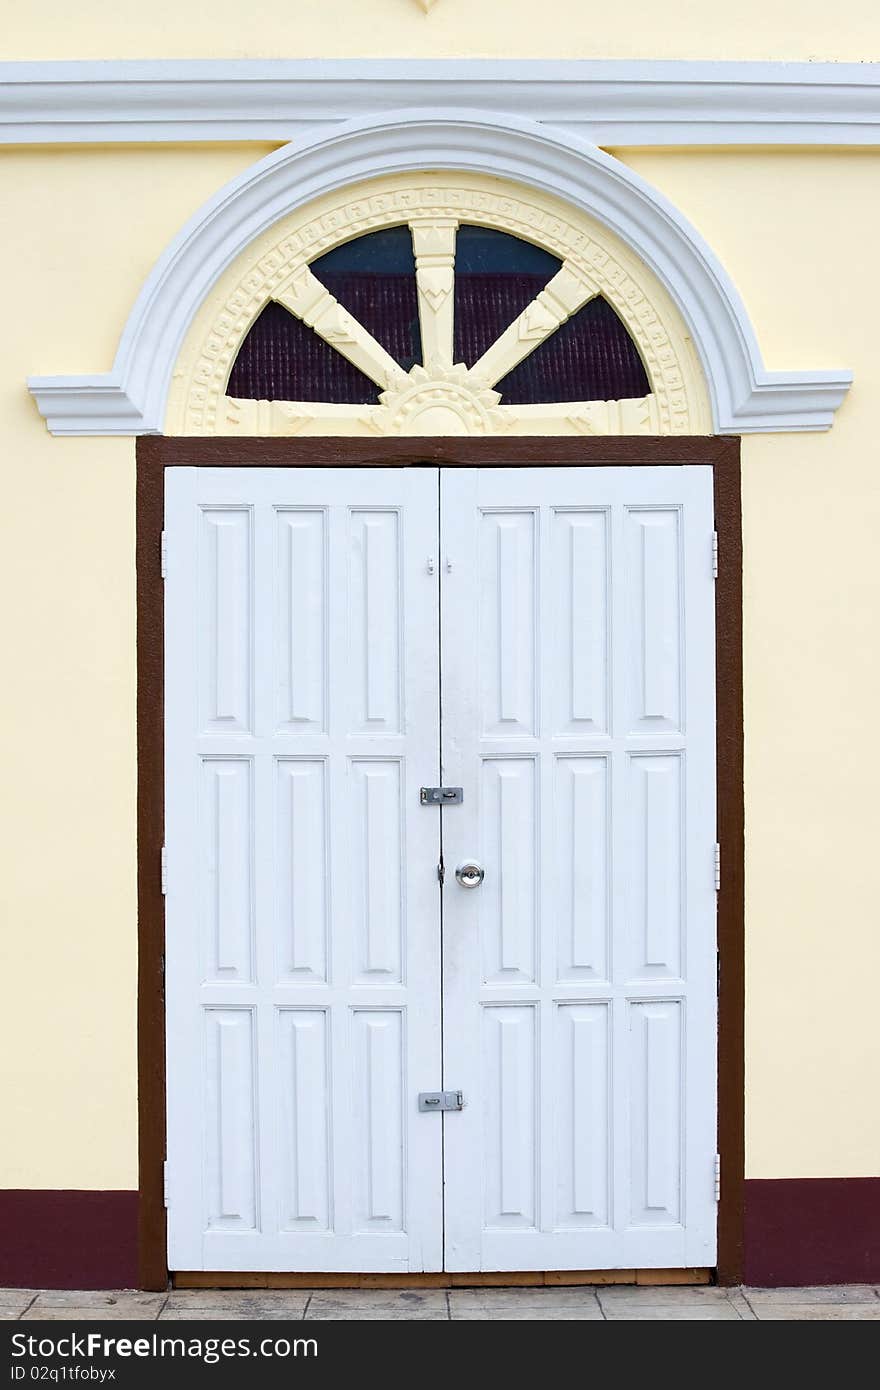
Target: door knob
(470, 874)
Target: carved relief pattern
(567, 292)
(306, 297)
(434, 248)
(439, 396)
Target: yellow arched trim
(439, 396)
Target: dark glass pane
(374, 278)
(479, 250)
(387, 252)
(590, 358)
(496, 276)
(282, 359)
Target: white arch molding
(745, 397)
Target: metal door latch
(441, 796)
(441, 1100)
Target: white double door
(336, 640)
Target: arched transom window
(443, 306)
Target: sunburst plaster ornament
(441, 401)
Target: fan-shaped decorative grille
(440, 326)
(590, 356)
(437, 304)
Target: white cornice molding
(607, 102)
(746, 397)
(89, 404)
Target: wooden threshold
(200, 1279)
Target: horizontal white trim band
(607, 102)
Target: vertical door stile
(621, 859)
(186, 1127)
(264, 868)
(420, 636)
(462, 639)
(700, 957)
(340, 956)
(548, 1098)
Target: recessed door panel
(301, 619)
(508, 904)
(225, 619)
(578, 572)
(302, 890)
(226, 859)
(304, 1096)
(582, 825)
(580, 1142)
(506, 604)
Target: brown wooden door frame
(154, 455)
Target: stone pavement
(851, 1302)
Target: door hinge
(441, 872)
(441, 1100)
(717, 868)
(714, 554)
(164, 869)
(165, 1183)
(717, 1177)
(163, 554)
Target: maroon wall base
(797, 1231)
(812, 1231)
(68, 1240)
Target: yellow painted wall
(805, 29)
(796, 231)
(76, 240)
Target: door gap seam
(441, 860)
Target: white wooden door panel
(303, 909)
(579, 979)
(307, 624)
